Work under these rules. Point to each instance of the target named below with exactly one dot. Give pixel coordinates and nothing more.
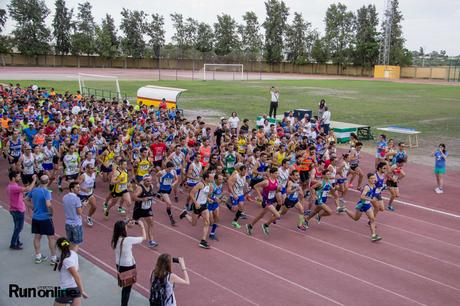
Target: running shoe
(105, 206)
(54, 261)
(213, 237)
(375, 238)
(89, 221)
(121, 210)
(340, 209)
(204, 244)
(183, 214)
(39, 260)
(438, 190)
(318, 218)
(16, 248)
(301, 227)
(350, 185)
(236, 225)
(106, 214)
(173, 222)
(249, 229)
(391, 208)
(265, 229)
(153, 243)
(243, 216)
(306, 224)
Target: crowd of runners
(147, 157)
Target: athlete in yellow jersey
(279, 155)
(120, 181)
(143, 165)
(242, 145)
(106, 161)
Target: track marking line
(441, 212)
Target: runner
(394, 176)
(70, 162)
(364, 206)
(143, 197)
(200, 196)
(380, 186)
(320, 192)
(217, 199)
(167, 179)
(236, 184)
(294, 194)
(120, 189)
(354, 165)
(87, 181)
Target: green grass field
(432, 109)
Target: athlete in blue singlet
(320, 191)
(377, 200)
(213, 206)
(167, 179)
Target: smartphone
(175, 260)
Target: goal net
(223, 72)
(99, 86)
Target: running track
(333, 263)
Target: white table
(409, 132)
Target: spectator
(124, 259)
(326, 120)
(70, 281)
(321, 108)
(440, 156)
(17, 206)
(163, 276)
(234, 122)
(244, 130)
(42, 219)
(275, 96)
(73, 210)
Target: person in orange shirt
(205, 152)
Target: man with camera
(275, 96)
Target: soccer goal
(223, 72)
(99, 86)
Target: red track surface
(334, 262)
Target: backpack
(158, 294)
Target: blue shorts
(213, 206)
(362, 206)
(268, 202)
(139, 178)
(378, 197)
(48, 167)
(105, 169)
(237, 200)
(74, 233)
(319, 202)
(191, 184)
(341, 181)
(283, 190)
(178, 171)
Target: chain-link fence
(453, 73)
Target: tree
(275, 26)
(205, 38)
(398, 54)
(155, 30)
(186, 31)
(5, 40)
(133, 27)
(107, 41)
(83, 39)
(62, 27)
(31, 36)
(339, 33)
(366, 50)
(251, 39)
(3, 18)
(225, 35)
(319, 51)
(298, 40)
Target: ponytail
(64, 246)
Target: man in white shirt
(326, 120)
(275, 96)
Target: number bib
(146, 204)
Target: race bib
(123, 187)
(271, 194)
(146, 204)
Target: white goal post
(96, 77)
(207, 66)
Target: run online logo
(16, 291)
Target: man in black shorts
(143, 200)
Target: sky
(433, 25)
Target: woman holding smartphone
(124, 258)
(163, 280)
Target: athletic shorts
(354, 167)
(74, 233)
(391, 183)
(289, 203)
(199, 210)
(304, 176)
(27, 178)
(164, 191)
(14, 161)
(142, 213)
(66, 296)
(255, 181)
(118, 194)
(71, 177)
(84, 197)
(363, 207)
(55, 160)
(268, 202)
(341, 181)
(48, 167)
(213, 206)
(43, 227)
(238, 200)
(178, 171)
(158, 163)
(191, 184)
(105, 169)
(378, 197)
(283, 190)
(139, 178)
(440, 170)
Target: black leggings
(273, 107)
(125, 291)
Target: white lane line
(190, 270)
(441, 212)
